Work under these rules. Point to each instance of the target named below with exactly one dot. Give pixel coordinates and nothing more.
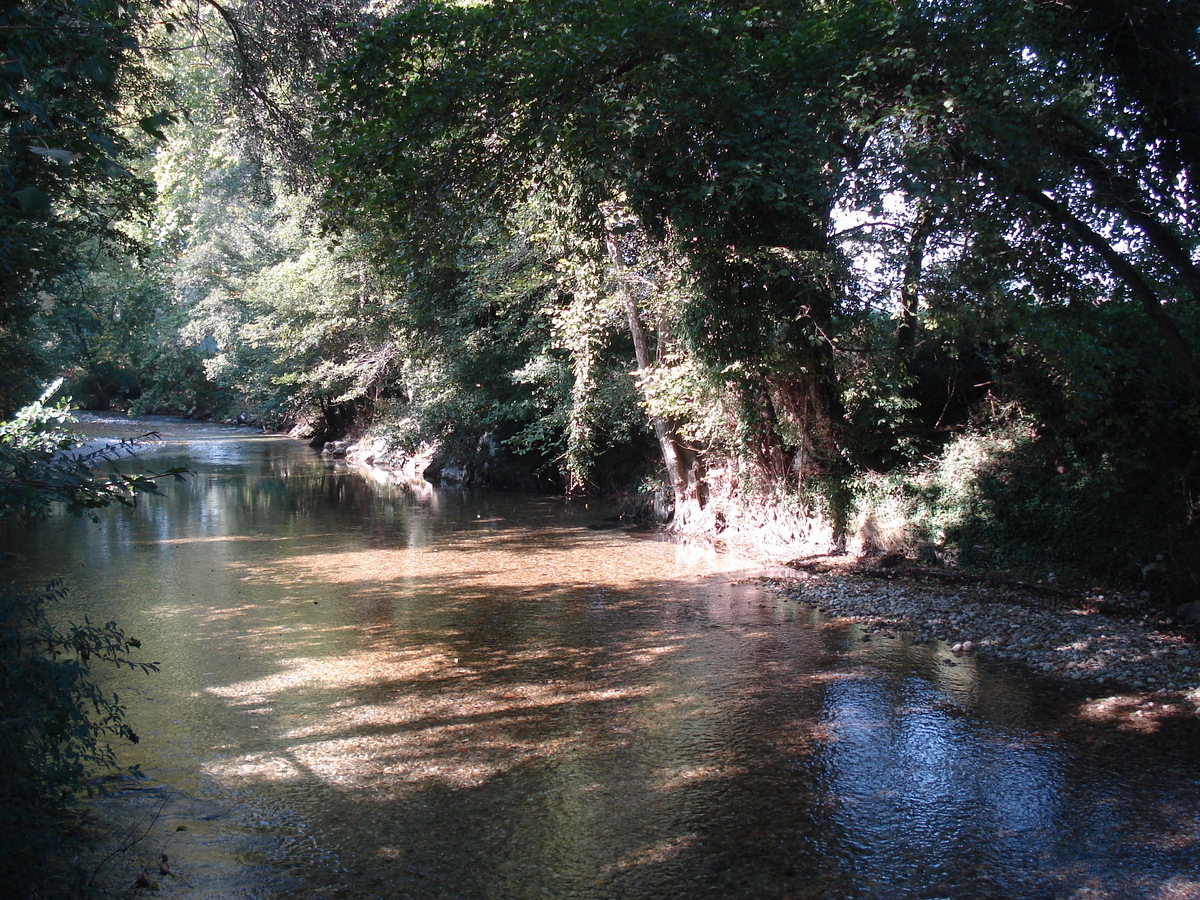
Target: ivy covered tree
(687, 115)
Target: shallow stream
(388, 691)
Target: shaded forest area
(912, 276)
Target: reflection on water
(419, 693)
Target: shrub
(56, 724)
(56, 721)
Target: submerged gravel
(1095, 638)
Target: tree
(688, 114)
(1064, 110)
(72, 83)
(267, 55)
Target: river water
(388, 691)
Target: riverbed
(378, 689)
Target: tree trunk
(683, 470)
(906, 331)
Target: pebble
(1006, 624)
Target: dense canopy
(912, 278)
(904, 275)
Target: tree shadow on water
(593, 743)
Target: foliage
(499, 346)
(807, 248)
(38, 467)
(85, 87)
(263, 58)
(994, 498)
(74, 96)
(56, 723)
(448, 116)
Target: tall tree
(718, 127)
(268, 54)
(1063, 110)
(73, 82)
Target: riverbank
(1143, 665)
(1120, 642)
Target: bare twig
(130, 841)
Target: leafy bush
(56, 721)
(1011, 493)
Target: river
(375, 690)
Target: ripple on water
(382, 692)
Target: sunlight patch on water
(656, 854)
(547, 568)
(1179, 889)
(469, 695)
(336, 675)
(688, 776)
(379, 722)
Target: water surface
(432, 693)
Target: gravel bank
(1098, 639)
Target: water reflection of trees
(480, 697)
